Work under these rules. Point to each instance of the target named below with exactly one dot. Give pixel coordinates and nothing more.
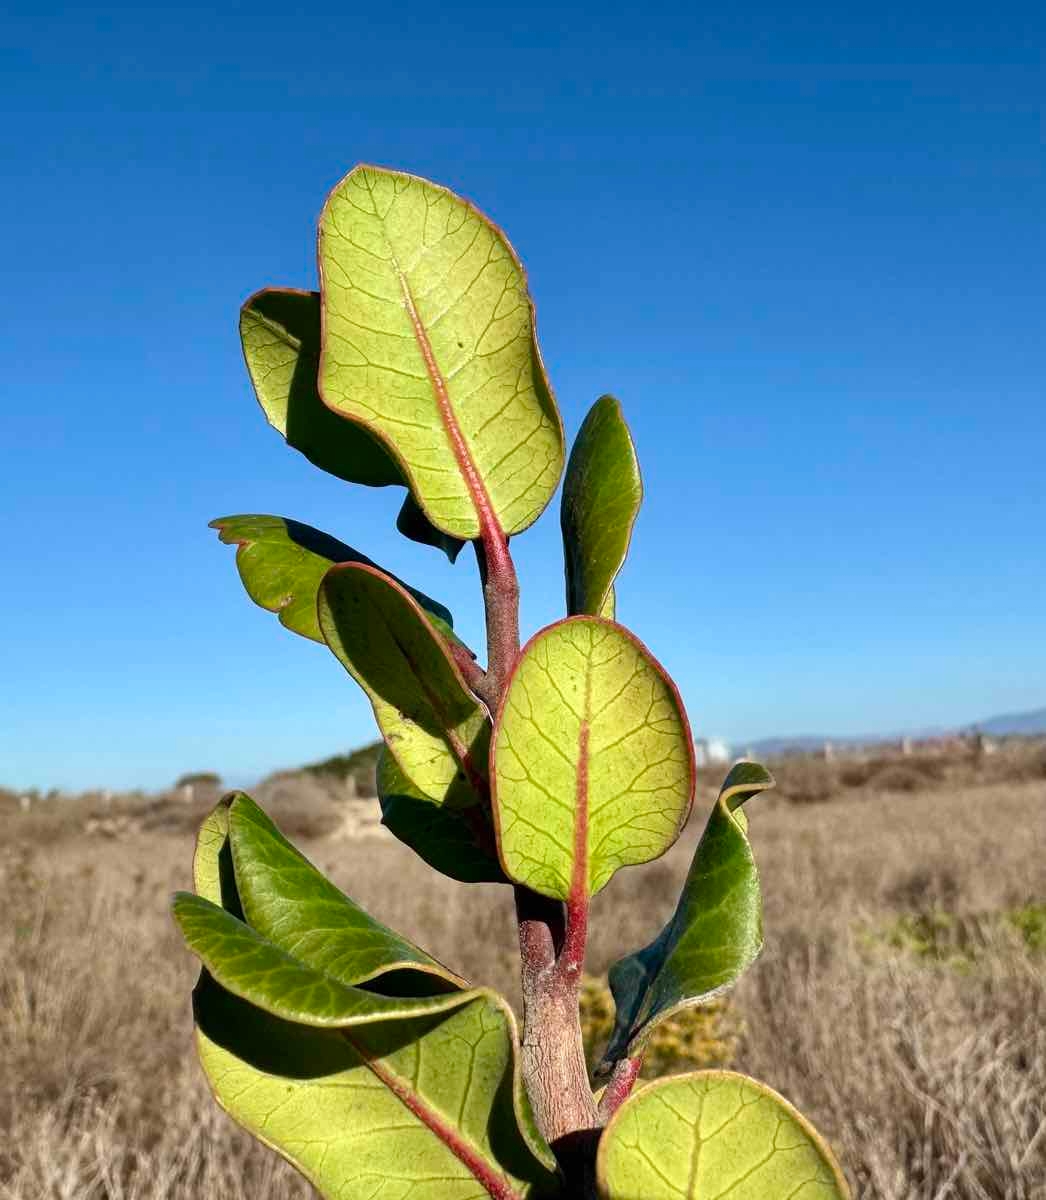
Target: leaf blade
(314, 1096)
(248, 965)
(714, 934)
(282, 563)
(587, 704)
(292, 904)
(280, 335)
(602, 494)
(433, 725)
(429, 341)
(413, 524)
(458, 843)
(710, 1133)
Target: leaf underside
(282, 563)
(711, 1134)
(413, 524)
(435, 728)
(713, 936)
(426, 1106)
(355, 1088)
(280, 334)
(602, 492)
(593, 763)
(429, 343)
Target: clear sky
(803, 243)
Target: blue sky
(802, 243)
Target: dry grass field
(901, 1000)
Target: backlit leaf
(280, 332)
(435, 728)
(713, 936)
(714, 1134)
(287, 900)
(428, 340)
(593, 763)
(458, 842)
(359, 1088)
(282, 563)
(212, 868)
(602, 492)
(429, 1107)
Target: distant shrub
(360, 766)
(958, 940)
(202, 779)
(805, 779)
(1030, 924)
(902, 777)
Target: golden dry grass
(927, 1070)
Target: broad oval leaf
(429, 341)
(292, 904)
(282, 563)
(280, 333)
(460, 843)
(592, 761)
(430, 1106)
(436, 729)
(711, 1134)
(714, 935)
(602, 492)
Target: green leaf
(213, 873)
(429, 341)
(247, 964)
(429, 1106)
(289, 902)
(282, 563)
(413, 524)
(280, 332)
(436, 729)
(593, 764)
(713, 936)
(602, 492)
(458, 842)
(356, 1086)
(713, 1134)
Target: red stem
(551, 935)
(620, 1086)
(501, 602)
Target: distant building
(711, 751)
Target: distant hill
(1025, 724)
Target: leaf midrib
(466, 1152)
(489, 524)
(461, 753)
